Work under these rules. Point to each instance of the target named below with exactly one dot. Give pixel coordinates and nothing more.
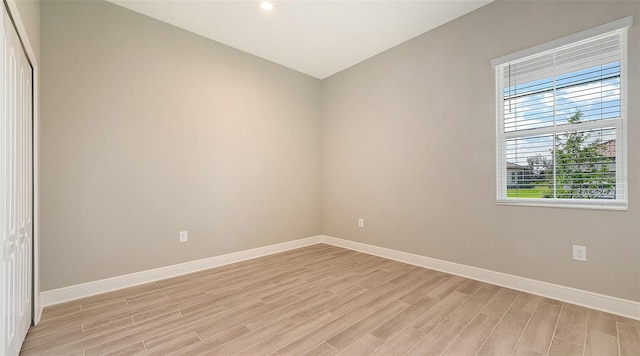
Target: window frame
(619, 124)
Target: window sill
(566, 204)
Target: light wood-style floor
(324, 300)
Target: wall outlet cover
(579, 253)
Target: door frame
(28, 47)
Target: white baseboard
(61, 295)
(609, 304)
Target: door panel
(16, 190)
(24, 195)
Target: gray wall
(408, 143)
(148, 130)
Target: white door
(16, 190)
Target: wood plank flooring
(324, 300)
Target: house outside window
(561, 121)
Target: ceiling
(318, 38)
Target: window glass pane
(528, 94)
(529, 111)
(585, 164)
(530, 167)
(595, 92)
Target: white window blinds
(561, 121)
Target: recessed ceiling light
(265, 5)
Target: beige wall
(408, 143)
(148, 130)
(30, 15)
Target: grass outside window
(538, 191)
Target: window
(561, 121)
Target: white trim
(37, 299)
(38, 307)
(619, 306)
(595, 31)
(622, 173)
(564, 204)
(88, 289)
(22, 32)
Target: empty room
(193, 177)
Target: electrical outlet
(360, 222)
(580, 253)
(183, 236)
